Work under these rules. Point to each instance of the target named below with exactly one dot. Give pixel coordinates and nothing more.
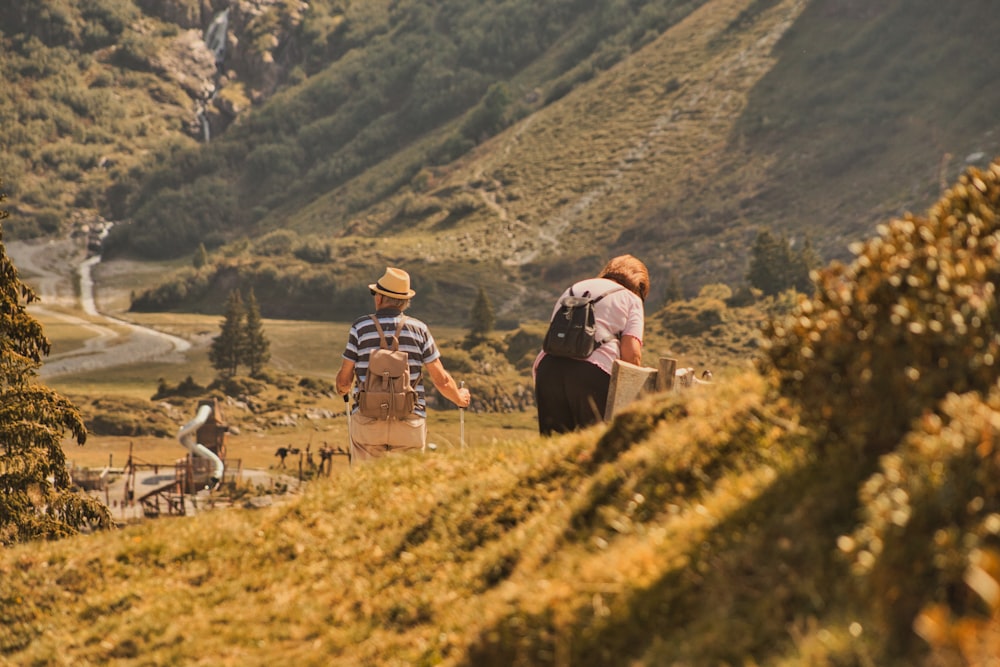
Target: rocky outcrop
(258, 51)
(187, 14)
(188, 62)
(246, 70)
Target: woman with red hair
(571, 392)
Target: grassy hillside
(517, 144)
(791, 116)
(496, 555)
(806, 513)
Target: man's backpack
(386, 392)
(572, 331)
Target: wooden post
(665, 374)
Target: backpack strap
(613, 336)
(395, 334)
(381, 335)
(613, 289)
(395, 343)
(586, 294)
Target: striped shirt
(415, 340)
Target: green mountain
(512, 143)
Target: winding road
(50, 269)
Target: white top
(620, 312)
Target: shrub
(239, 385)
(314, 251)
(695, 317)
(458, 360)
(186, 388)
(278, 242)
(931, 516)
(121, 416)
(523, 345)
(912, 319)
(416, 207)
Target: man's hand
(345, 378)
(464, 398)
(446, 384)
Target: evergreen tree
(775, 267)
(227, 348)
(803, 262)
(769, 263)
(36, 495)
(674, 291)
(256, 351)
(200, 258)
(482, 318)
(488, 117)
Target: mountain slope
(519, 145)
(741, 116)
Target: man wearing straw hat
(373, 437)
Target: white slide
(187, 437)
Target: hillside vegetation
(776, 517)
(516, 144)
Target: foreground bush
(913, 318)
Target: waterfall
(215, 40)
(206, 130)
(215, 35)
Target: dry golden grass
(256, 448)
(516, 552)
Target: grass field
(256, 449)
(300, 348)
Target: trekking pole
(461, 419)
(350, 441)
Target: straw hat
(394, 283)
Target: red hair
(628, 272)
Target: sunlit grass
(419, 559)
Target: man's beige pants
(374, 438)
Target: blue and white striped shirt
(415, 339)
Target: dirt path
(51, 268)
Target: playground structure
(204, 468)
(208, 426)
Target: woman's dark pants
(570, 394)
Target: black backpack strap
(610, 291)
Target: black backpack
(572, 331)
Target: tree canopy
(241, 339)
(36, 495)
(227, 348)
(482, 318)
(775, 266)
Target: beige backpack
(387, 392)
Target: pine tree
(227, 348)
(803, 262)
(36, 495)
(674, 291)
(256, 351)
(769, 263)
(775, 267)
(482, 318)
(200, 258)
